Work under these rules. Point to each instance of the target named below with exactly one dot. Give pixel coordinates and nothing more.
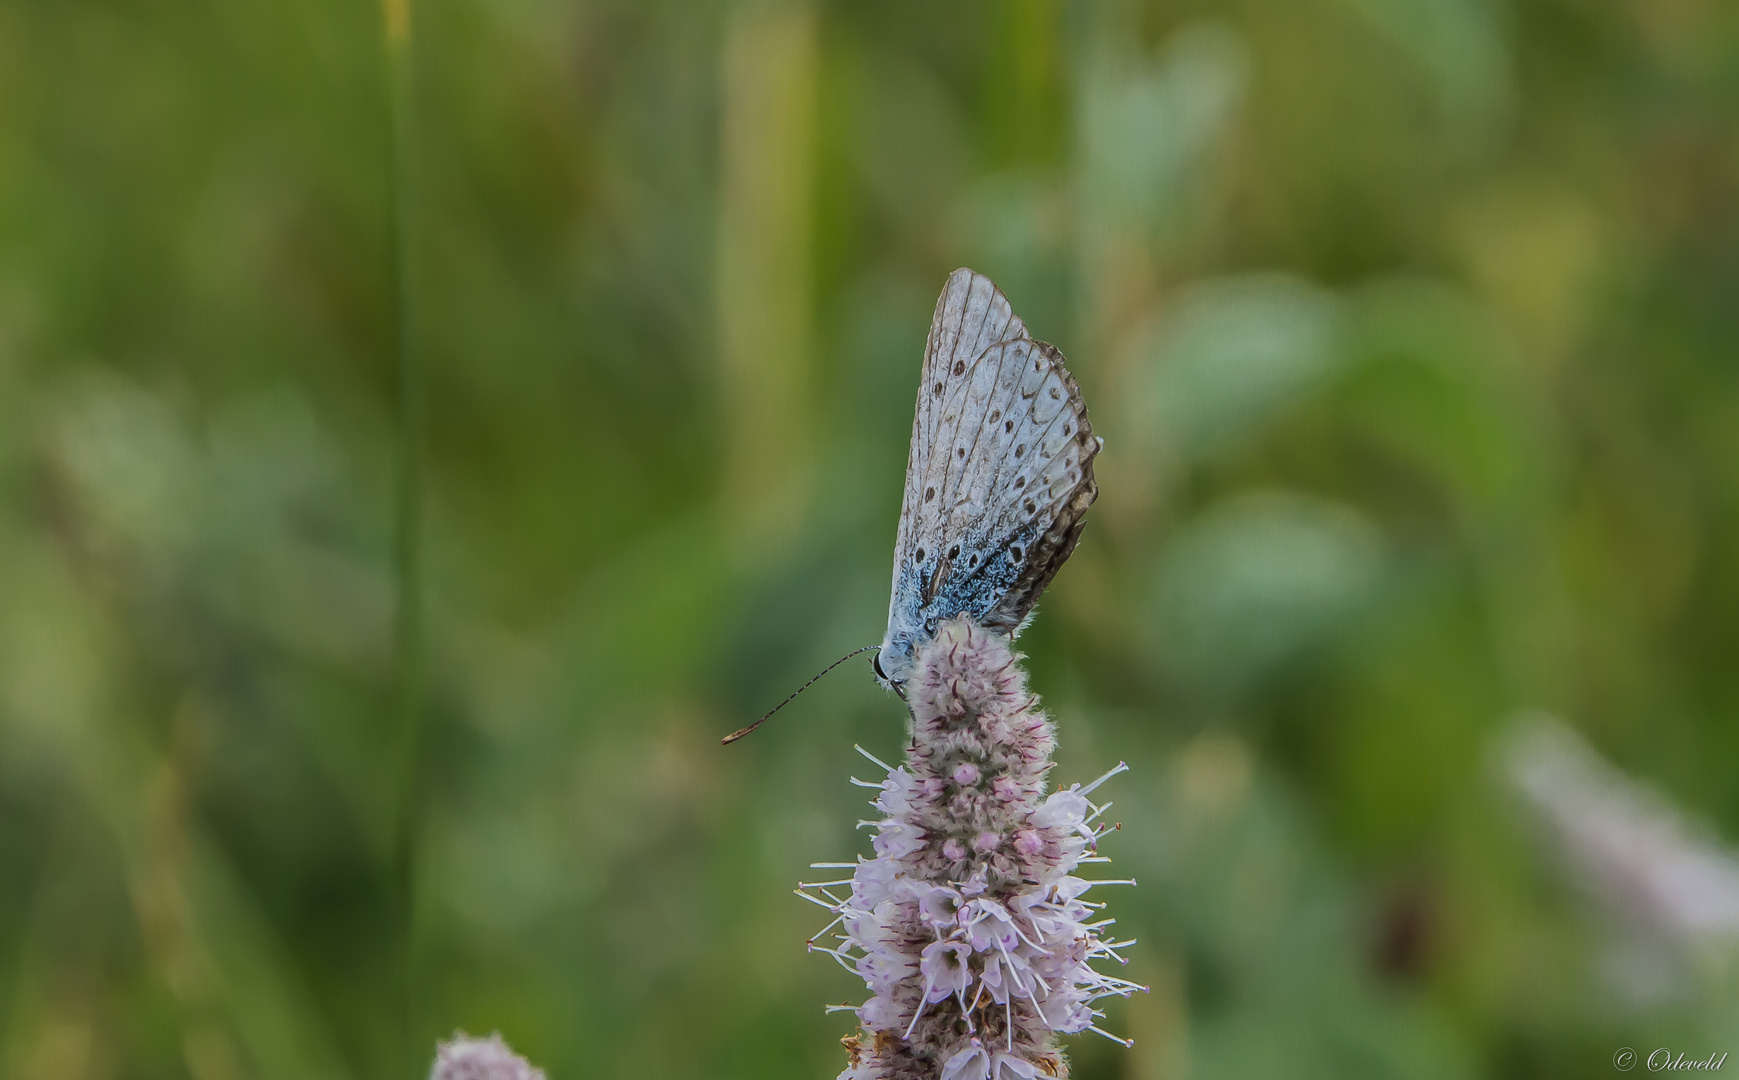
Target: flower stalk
(969, 925)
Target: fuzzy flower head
(968, 926)
(465, 1058)
(1661, 872)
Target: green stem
(407, 512)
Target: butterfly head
(893, 661)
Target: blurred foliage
(1409, 325)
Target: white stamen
(1122, 766)
(1108, 1035)
(1039, 1009)
(1105, 950)
(873, 758)
(836, 921)
(844, 961)
(919, 1011)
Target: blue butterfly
(999, 476)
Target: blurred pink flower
(1633, 848)
(465, 1058)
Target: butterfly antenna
(740, 732)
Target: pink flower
(977, 1063)
(898, 840)
(945, 969)
(977, 948)
(465, 1058)
(941, 906)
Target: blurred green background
(1412, 328)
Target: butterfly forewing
(971, 314)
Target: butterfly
(998, 479)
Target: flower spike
(968, 926)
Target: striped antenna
(740, 732)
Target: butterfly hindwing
(1046, 484)
(1022, 462)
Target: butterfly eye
(876, 663)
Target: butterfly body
(999, 475)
